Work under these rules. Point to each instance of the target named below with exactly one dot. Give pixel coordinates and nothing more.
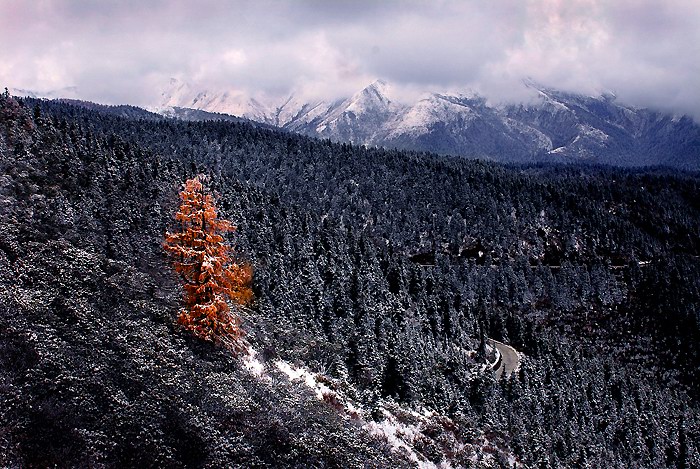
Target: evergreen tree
(202, 259)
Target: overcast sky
(647, 52)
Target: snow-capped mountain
(361, 119)
(554, 126)
(183, 95)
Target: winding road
(510, 360)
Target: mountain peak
(530, 82)
(379, 85)
(374, 95)
(550, 124)
(372, 100)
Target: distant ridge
(556, 126)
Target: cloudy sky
(646, 51)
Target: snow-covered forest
(382, 270)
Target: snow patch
(557, 150)
(400, 427)
(253, 364)
(430, 110)
(394, 432)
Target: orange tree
(202, 258)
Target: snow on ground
(430, 110)
(253, 364)
(401, 428)
(557, 150)
(591, 132)
(308, 378)
(390, 430)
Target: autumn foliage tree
(202, 258)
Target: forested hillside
(382, 269)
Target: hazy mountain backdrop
(554, 126)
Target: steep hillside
(383, 270)
(92, 369)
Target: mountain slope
(92, 369)
(358, 119)
(555, 126)
(382, 270)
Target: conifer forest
(387, 274)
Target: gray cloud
(125, 51)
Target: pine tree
(202, 258)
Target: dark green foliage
(378, 267)
(93, 371)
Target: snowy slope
(234, 102)
(362, 118)
(184, 95)
(555, 126)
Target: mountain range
(555, 126)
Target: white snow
(305, 376)
(225, 101)
(557, 150)
(398, 434)
(374, 100)
(395, 432)
(591, 132)
(253, 364)
(430, 110)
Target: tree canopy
(203, 259)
